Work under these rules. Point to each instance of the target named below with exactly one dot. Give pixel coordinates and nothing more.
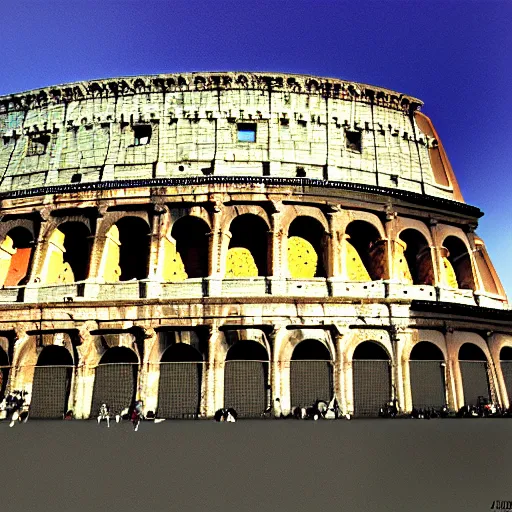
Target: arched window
(414, 260)
(371, 376)
(427, 373)
(189, 257)
(15, 255)
(310, 374)
(248, 248)
(179, 388)
(246, 378)
(115, 381)
(457, 264)
(306, 255)
(473, 368)
(366, 254)
(51, 386)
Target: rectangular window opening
(142, 134)
(246, 132)
(37, 145)
(353, 140)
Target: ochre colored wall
(111, 251)
(302, 258)
(356, 270)
(56, 270)
(6, 253)
(401, 266)
(449, 277)
(173, 267)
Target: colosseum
(203, 240)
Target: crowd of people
(13, 407)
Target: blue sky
(455, 55)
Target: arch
(506, 369)
(311, 373)
(126, 251)
(246, 378)
(115, 380)
(306, 248)
(414, 258)
(366, 255)
(191, 249)
(51, 385)
(68, 253)
(427, 369)
(474, 371)
(490, 280)
(179, 387)
(456, 264)
(248, 248)
(371, 374)
(15, 255)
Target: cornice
(199, 81)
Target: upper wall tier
(224, 124)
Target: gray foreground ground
(263, 465)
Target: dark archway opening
(371, 377)
(365, 239)
(474, 372)
(179, 387)
(4, 372)
(191, 235)
(250, 232)
(506, 369)
(115, 381)
(311, 376)
(313, 232)
(134, 250)
(459, 258)
(427, 375)
(51, 386)
(246, 378)
(418, 257)
(77, 244)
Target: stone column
(214, 375)
(215, 266)
(402, 376)
(21, 337)
(339, 372)
(158, 228)
(39, 250)
(84, 382)
(453, 374)
(334, 217)
(149, 373)
(279, 258)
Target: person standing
(104, 414)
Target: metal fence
(115, 384)
(50, 391)
(310, 380)
(427, 383)
(179, 389)
(371, 385)
(245, 387)
(506, 370)
(474, 381)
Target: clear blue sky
(455, 55)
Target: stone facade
(213, 211)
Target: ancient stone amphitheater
(210, 239)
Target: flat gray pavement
(263, 465)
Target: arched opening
(457, 264)
(366, 253)
(51, 386)
(15, 255)
(77, 246)
(248, 248)
(371, 378)
(427, 374)
(4, 372)
(246, 378)
(310, 374)
(179, 388)
(415, 260)
(191, 235)
(306, 254)
(506, 370)
(115, 380)
(474, 372)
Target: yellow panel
(56, 270)
(6, 252)
(449, 274)
(112, 270)
(174, 269)
(356, 271)
(302, 258)
(240, 263)
(403, 272)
